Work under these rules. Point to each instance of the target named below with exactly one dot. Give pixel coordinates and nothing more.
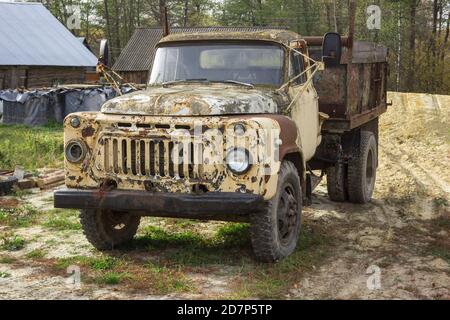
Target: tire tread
(93, 230)
(262, 225)
(357, 165)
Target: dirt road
(396, 247)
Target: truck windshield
(256, 64)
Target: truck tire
(337, 183)
(106, 229)
(275, 231)
(362, 169)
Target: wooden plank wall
(46, 77)
(38, 77)
(138, 77)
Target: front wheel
(107, 229)
(275, 231)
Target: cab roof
(283, 37)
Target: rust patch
(193, 99)
(88, 132)
(288, 134)
(272, 35)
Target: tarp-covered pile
(38, 108)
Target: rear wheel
(362, 169)
(275, 231)
(107, 229)
(337, 183)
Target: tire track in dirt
(395, 231)
(425, 178)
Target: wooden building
(136, 59)
(37, 50)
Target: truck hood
(194, 100)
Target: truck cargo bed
(354, 92)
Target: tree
(419, 56)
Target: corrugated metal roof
(31, 36)
(139, 53)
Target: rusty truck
(233, 126)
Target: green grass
(112, 278)
(7, 259)
(36, 254)
(177, 252)
(230, 244)
(20, 193)
(96, 263)
(4, 274)
(107, 270)
(12, 242)
(100, 270)
(272, 281)
(232, 235)
(20, 217)
(440, 202)
(104, 263)
(441, 252)
(59, 219)
(167, 279)
(31, 147)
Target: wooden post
(165, 22)
(352, 23)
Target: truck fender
(289, 149)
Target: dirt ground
(399, 243)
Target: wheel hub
(115, 220)
(370, 170)
(287, 214)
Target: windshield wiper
(240, 83)
(181, 81)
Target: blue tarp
(30, 108)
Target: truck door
(305, 110)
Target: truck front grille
(152, 158)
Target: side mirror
(332, 49)
(104, 52)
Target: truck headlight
(238, 160)
(75, 151)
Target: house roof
(31, 36)
(139, 53)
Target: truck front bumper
(209, 206)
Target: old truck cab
(224, 131)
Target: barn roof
(31, 36)
(139, 53)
